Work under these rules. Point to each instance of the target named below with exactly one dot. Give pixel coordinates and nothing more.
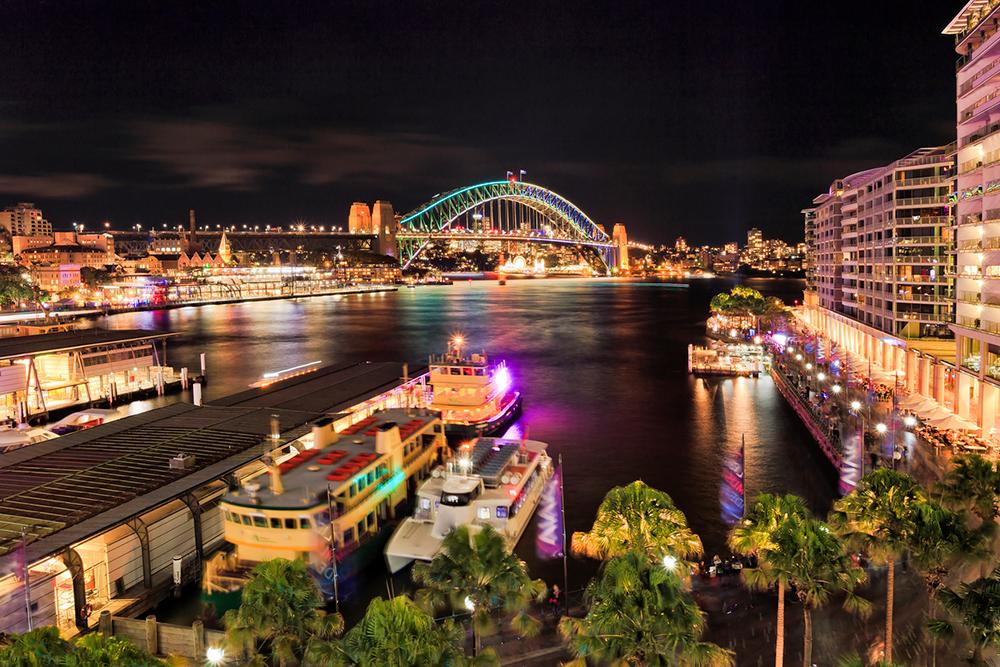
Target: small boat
(84, 419)
(474, 394)
(23, 436)
(491, 481)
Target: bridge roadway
(458, 235)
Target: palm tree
(475, 571)
(97, 649)
(977, 604)
(815, 562)
(36, 648)
(640, 614)
(858, 661)
(755, 536)
(880, 517)
(398, 633)
(280, 614)
(940, 542)
(972, 484)
(638, 517)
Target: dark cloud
(53, 186)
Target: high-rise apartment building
(881, 243)
(24, 220)
(977, 198)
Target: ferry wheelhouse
(362, 476)
(492, 481)
(474, 395)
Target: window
(260, 522)
(501, 511)
(291, 524)
(247, 521)
(484, 512)
(348, 536)
(361, 528)
(275, 523)
(362, 483)
(425, 503)
(304, 524)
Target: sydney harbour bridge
(510, 212)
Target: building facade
(24, 219)
(881, 245)
(977, 197)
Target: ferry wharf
(112, 518)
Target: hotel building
(977, 197)
(881, 243)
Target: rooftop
(15, 347)
(970, 15)
(60, 492)
(329, 389)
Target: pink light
(502, 378)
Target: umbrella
(954, 423)
(913, 401)
(934, 414)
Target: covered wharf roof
(328, 389)
(15, 347)
(68, 489)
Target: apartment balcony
(981, 134)
(982, 76)
(923, 221)
(947, 297)
(922, 240)
(979, 324)
(940, 200)
(925, 317)
(972, 298)
(922, 260)
(924, 280)
(974, 245)
(981, 107)
(938, 179)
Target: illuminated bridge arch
(527, 212)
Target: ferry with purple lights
(475, 395)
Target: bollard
(198, 631)
(104, 625)
(203, 365)
(184, 378)
(178, 573)
(197, 393)
(151, 643)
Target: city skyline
(263, 117)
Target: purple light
(780, 338)
(502, 378)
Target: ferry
(491, 481)
(474, 395)
(363, 476)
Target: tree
(640, 614)
(637, 517)
(972, 484)
(41, 647)
(97, 650)
(816, 564)
(941, 541)
(280, 612)
(94, 277)
(977, 605)
(880, 517)
(756, 536)
(475, 571)
(398, 633)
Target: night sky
(673, 116)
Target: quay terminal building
(93, 520)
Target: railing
(970, 110)
(970, 297)
(923, 317)
(922, 279)
(923, 220)
(970, 83)
(921, 240)
(970, 245)
(922, 201)
(926, 298)
(920, 259)
(943, 179)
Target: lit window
(425, 503)
(275, 523)
(484, 512)
(304, 524)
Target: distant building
(24, 219)
(680, 245)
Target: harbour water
(602, 365)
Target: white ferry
(491, 481)
(363, 476)
(474, 395)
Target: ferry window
(501, 512)
(247, 521)
(371, 477)
(361, 528)
(456, 499)
(353, 491)
(291, 524)
(484, 512)
(275, 523)
(259, 522)
(323, 518)
(425, 503)
(481, 371)
(456, 371)
(348, 536)
(362, 483)
(371, 519)
(304, 524)
(468, 371)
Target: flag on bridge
(551, 540)
(523, 174)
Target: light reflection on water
(602, 365)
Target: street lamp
(909, 421)
(821, 376)
(881, 428)
(215, 655)
(855, 405)
(469, 604)
(835, 388)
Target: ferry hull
(496, 426)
